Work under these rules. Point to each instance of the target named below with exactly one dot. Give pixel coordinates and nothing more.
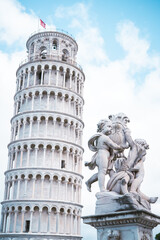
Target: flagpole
(38, 24)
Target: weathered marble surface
(126, 172)
(124, 225)
(113, 202)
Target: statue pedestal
(124, 225)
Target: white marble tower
(42, 198)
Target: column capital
(24, 121)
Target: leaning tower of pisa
(42, 198)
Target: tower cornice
(45, 139)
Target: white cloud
(16, 24)
(110, 87)
(128, 37)
(9, 64)
(15, 27)
(137, 48)
(88, 37)
(78, 10)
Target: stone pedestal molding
(124, 225)
(42, 198)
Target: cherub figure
(103, 158)
(130, 172)
(135, 161)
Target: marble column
(57, 222)
(57, 73)
(18, 187)
(64, 76)
(42, 73)
(49, 77)
(5, 222)
(31, 220)
(39, 223)
(28, 78)
(34, 81)
(22, 221)
(15, 221)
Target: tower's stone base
(28, 236)
(124, 225)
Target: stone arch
(57, 148)
(55, 44)
(54, 67)
(61, 69)
(44, 97)
(46, 67)
(18, 219)
(27, 215)
(55, 177)
(38, 188)
(67, 78)
(46, 74)
(61, 76)
(60, 95)
(52, 94)
(65, 55)
(12, 217)
(53, 219)
(50, 127)
(59, 120)
(46, 185)
(66, 97)
(38, 75)
(37, 93)
(61, 219)
(43, 52)
(44, 219)
(53, 75)
(68, 220)
(32, 48)
(35, 219)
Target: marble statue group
(126, 173)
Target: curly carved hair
(101, 124)
(140, 141)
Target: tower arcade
(42, 198)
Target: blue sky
(104, 15)
(119, 51)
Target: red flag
(42, 24)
